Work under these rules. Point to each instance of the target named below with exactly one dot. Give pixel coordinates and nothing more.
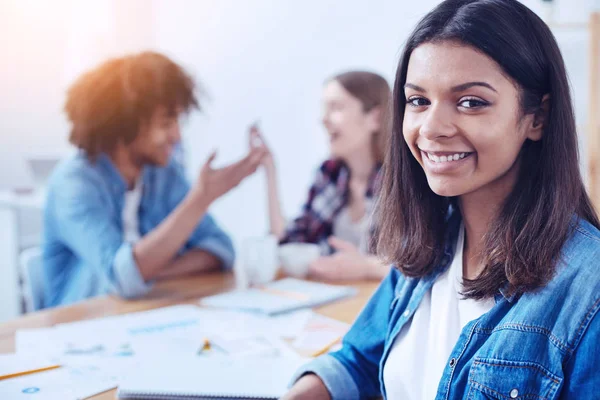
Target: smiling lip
(444, 161)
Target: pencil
(33, 371)
(326, 348)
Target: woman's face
(349, 127)
(462, 120)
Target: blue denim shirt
(84, 253)
(541, 345)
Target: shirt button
(452, 362)
(406, 313)
(514, 394)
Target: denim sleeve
(353, 371)
(207, 236)
(582, 376)
(87, 227)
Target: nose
(438, 122)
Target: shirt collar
(111, 172)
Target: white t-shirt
(420, 352)
(355, 232)
(131, 228)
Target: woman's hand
(346, 264)
(256, 141)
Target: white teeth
(452, 157)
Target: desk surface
(177, 291)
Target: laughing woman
(496, 287)
(337, 213)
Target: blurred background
(260, 60)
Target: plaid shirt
(328, 195)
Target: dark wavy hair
(523, 244)
(107, 104)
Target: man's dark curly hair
(107, 104)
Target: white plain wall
(268, 60)
(259, 59)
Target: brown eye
(472, 103)
(417, 102)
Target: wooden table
(176, 291)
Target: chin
(160, 161)
(445, 188)
(335, 153)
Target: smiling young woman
(495, 291)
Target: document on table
(74, 382)
(12, 365)
(107, 348)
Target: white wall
(258, 59)
(268, 60)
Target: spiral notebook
(210, 378)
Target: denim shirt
(84, 253)
(541, 345)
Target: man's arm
(156, 250)
(189, 223)
(193, 261)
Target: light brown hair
(373, 91)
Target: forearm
(156, 250)
(276, 219)
(192, 262)
(308, 387)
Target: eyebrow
(458, 88)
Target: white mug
(296, 258)
(259, 261)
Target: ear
(540, 118)
(374, 119)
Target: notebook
(281, 296)
(210, 378)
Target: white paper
(116, 337)
(319, 333)
(98, 354)
(14, 364)
(76, 382)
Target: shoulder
(75, 171)
(565, 305)
(78, 182)
(580, 256)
